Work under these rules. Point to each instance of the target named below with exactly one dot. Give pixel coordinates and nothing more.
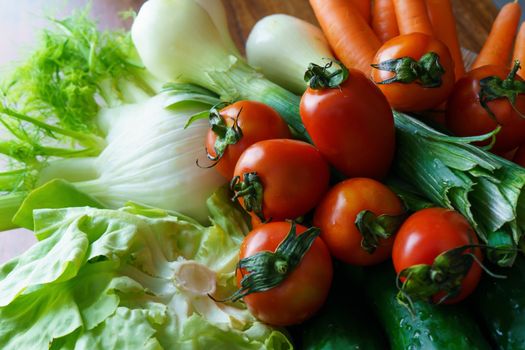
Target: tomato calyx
(266, 270)
(251, 190)
(427, 72)
(445, 275)
(494, 88)
(321, 77)
(373, 228)
(225, 135)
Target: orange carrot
(519, 51)
(384, 21)
(364, 7)
(498, 46)
(412, 17)
(444, 25)
(351, 38)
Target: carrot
(498, 46)
(364, 7)
(384, 21)
(412, 17)
(519, 51)
(351, 38)
(444, 25)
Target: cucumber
(500, 304)
(431, 327)
(344, 323)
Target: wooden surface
(20, 21)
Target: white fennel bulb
(149, 158)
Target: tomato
(417, 93)
(337, 213)
(302, 292)
(256, 121)
(351, 125)
(467, 117)
(430, 232)
(293, 175)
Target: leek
(451, 172)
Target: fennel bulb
(83, 109)
(149, 158)
(292, 41)
(136, 278)
(179, 40)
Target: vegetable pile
(353, 182)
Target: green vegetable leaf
(54, 194)
(142, 273)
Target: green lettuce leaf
(135, 278)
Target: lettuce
(134, 278)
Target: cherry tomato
(430, 232)
(336, 216)
(417, 93)
(293, 175)
(351, 125)
(304, 290)
(256, 121)
(467, 117)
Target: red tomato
(337, 212)
(430, 232)
(257, 122)
(467, 117)
(413, 96)
(352, 126)
(304, 290)
(293, 174)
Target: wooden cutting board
(20, 21)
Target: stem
(10, 180)
(9, 205)
(67, 152)
(320, 77)
(251, 190)
(494, 88)
(266, 269)
(508, 83)
(88, 140)
(70, 169)
(427, 71)
(375, 228)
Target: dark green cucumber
(500, 304)
(431, 327)
(344, 323)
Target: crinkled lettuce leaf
(135, 278)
